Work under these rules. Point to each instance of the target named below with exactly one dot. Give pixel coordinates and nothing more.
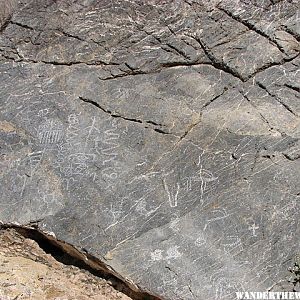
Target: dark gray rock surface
(160, 136)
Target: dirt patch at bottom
(27, 272)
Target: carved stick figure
(253, 227)
(173, 195)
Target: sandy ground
(27, 272)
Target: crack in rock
(79, 258)
(252, 27)
(288, 108)
(7, 8)
(147, 123)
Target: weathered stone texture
(160, 136)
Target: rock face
(160, 136)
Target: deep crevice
(70, 63)
(178, 51)
(160, 131)
(251, 27)
(292, 33)
(272, 64)
(22, 25)
(276, 98)
(57, 63)
(4, 25)
(216, 63)
(69, 255)
(115, 115)
(125, 74)
(71, 35)
(7, 10)
(295, 88)
(291, 157)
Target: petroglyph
(168, 254)
(50, 132)
(161, 134)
